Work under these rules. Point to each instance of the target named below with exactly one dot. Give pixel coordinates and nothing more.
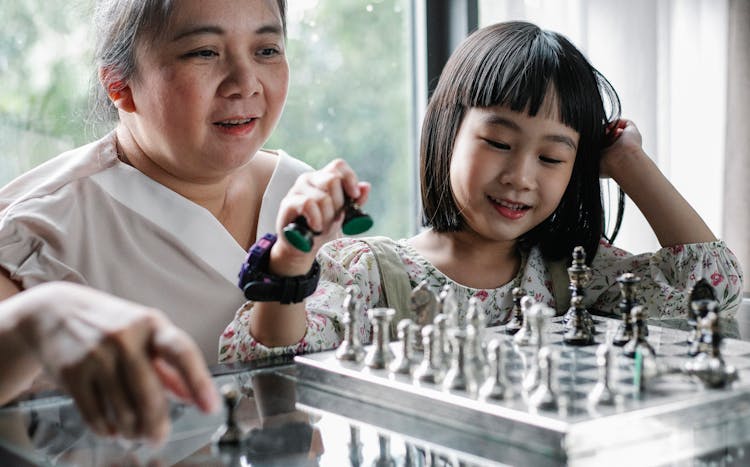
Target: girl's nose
(519, 172)
(241, 80)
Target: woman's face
(208, 92)
(509, 170)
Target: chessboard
(670, 417)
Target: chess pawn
(428, 370)
(496, 387)
(442, 345)
(516, 319)
(457, 378)
(525, 334)
(448, 305)
(628, 287)
(351, 348)
(423, 305)
(402, 363)
(229, 433)
(638, 342)
(380, 354)
(545, 395)
(476, 348)
(577, 329)
(709, 366)
(602, 393)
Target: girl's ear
(117, 89)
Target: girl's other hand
(319, 196)
(624, 146)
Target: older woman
(161, 210)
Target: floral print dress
(667, 276)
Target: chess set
(581, 388)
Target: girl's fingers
(90, 406)
(146, 395)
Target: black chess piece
(701, 291)
(628, 287)
(230, 433)
(638, 343)
(516, 320)
(577, 322)
(709, 365)
(299, 234)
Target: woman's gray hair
(119, 25)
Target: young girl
(514, 141)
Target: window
(350, 92)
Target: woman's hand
(318, 196)
(624, 149)
(114, 357)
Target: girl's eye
(549, 160)
(206, 53)
(498, 145)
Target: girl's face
(508, 170)
(209, 92)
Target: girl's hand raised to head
(624, 148)
(319, 197)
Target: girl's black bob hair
(515, 64)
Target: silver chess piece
(709, 365)
(628, 289)
(638, 342)
(458, 378)
(525, 334)
(602, 392)
(351, 348)
(496, 387)
(423, 305)
(448, 305)
(355, 447)
(403, 361)
(442, 345)
(516, 318)
(539, 314)
(384, 459)
(380, 353)
(428, 370)
(475, 346)
(545, 395)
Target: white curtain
(668, 62)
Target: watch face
(264, 243)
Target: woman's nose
(241, 79)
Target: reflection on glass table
(49, 431)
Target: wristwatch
(259, 285)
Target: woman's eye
(206, 53)
(498, 145)
(269, 52)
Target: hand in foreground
(320, 197)
(115, 358)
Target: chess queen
(514, 141)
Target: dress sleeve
(30, 242)
(343, 262)
(667, 277)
